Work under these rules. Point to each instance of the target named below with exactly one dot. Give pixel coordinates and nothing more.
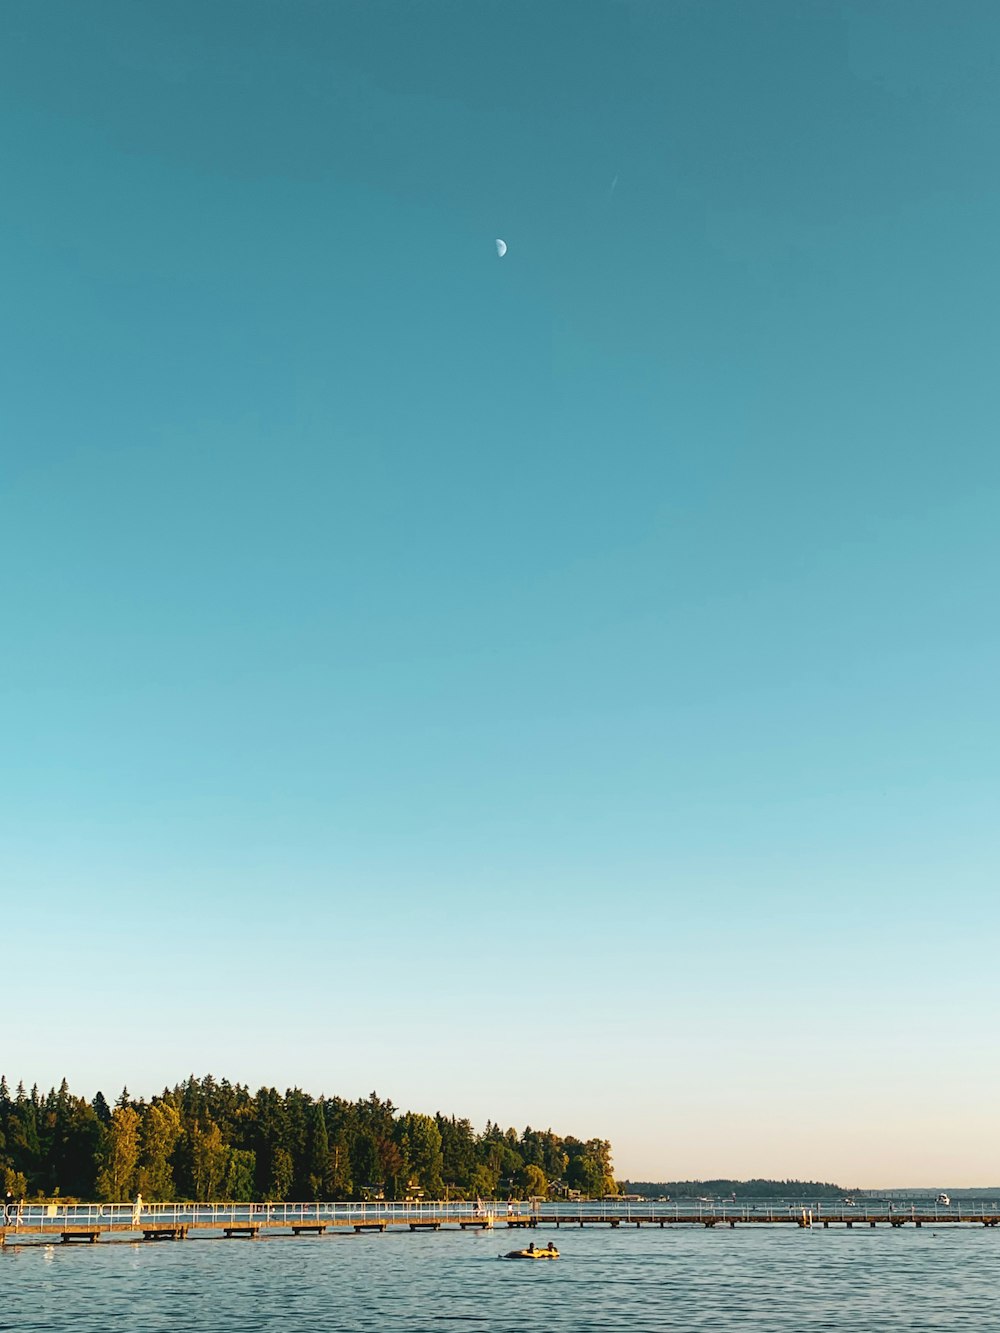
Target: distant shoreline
(721, 1189)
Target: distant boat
(943, 1200)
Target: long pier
(90, 1223)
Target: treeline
(209, 1139)
(743, 1189)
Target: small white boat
(943, 1200)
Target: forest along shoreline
(209, 1140)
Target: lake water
(757, 1278)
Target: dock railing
(57, 1217)
(67, 1217)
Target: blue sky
(416, 642)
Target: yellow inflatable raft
(546, 1252)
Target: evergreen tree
(458, 1151)
(282, 1169)
(420, 1138)
(23, 1143)
(318, 1154)
(295, 1137)
(265, 1136)
(364, 1163)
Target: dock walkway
(90, 1223)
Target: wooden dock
(91, 1223)
(45, 1225)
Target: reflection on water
(758, 1278)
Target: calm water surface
(755, 1278)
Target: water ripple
(771, 1280)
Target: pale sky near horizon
(559, 688)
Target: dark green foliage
(589, 1167)
(458, 1148)
(318, 1155)
(212, 1139)
(365, 1166)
